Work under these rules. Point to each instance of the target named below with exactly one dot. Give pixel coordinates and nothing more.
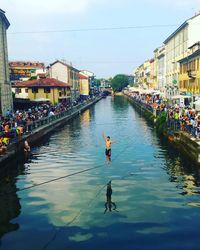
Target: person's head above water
(108, 137)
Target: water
(154, 203)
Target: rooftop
(26, 64)
(2, 14)
(68, 65)
(46, 82)
(180, 28)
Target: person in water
(108, 146)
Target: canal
(147, 197)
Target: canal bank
(181, 140)
(147, 192)
(42, 128)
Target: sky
(107, 37)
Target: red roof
(82, 76)
(26, 64)
(42, 75)
(46, 82)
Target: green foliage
(98, 82)
(161, 122)
(13, 95)
(33, 78)
(119, 82)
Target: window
(26, 90)
(17, 91)
(34, 90)
(181, 68)
(47, 90)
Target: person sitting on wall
(27, 148)
(3, 148)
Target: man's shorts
(108, 152)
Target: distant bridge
(107, 90)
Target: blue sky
(105, 52)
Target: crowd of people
(13, 125)
(178, 117)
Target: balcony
(191, 74)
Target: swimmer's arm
(103, 135)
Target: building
(67, 74)
(189, 77)
(43, 89)
(159, 55)
(84, 86)
(105, 83)
(147, 74)
(25, 70)
(139, 76)
(94, 88)
(153, 74)
(176, 46)
(6, 102)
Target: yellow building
(176, 49)
(43, 89)
(189, 77)
(153, 74)
(140, 75)
(84, 85)
(147, 74)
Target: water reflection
(109, 205)
(9, 204)
(183, 172)
(155, 189)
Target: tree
(119, 82)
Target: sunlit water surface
(154, 203)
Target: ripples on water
(155, 192)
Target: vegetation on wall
(161, 123)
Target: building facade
(159, 55)
(147, 74)
(47, 89)
(25, 70)
(153, 74)
(68, 74)
(189, 77)
(94, 88)
(176, 46)
(6, 101)
(84, 86)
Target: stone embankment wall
(16, 148)
(187, 145)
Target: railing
(173, 124)
(29, 128)
(180, 125)
(49, 119)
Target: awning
(64, 97)
(180, 97)
(41, 100)
(197, 102)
